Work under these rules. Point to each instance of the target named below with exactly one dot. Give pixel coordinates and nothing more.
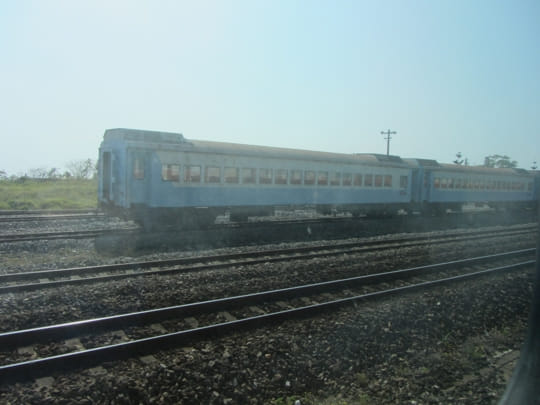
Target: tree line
(496, 161)
(76, 169)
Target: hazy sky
(447, 75)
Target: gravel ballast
(454, 344)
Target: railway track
(35, 280)
(60, 347)
(34, 236)
(48, 215)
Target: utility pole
(388, 137)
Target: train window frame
(138, 167)
(296, 177)
(249, 175)
(335, 179)
(347, 180)
(357, 180)
(231, 175)
(266, 176)
(368, 180)
(212, 175)
(403, 181)
(387, 181)
(170, 172)
(191, 175)
(281, 176)
(309, 177)
(378, 180)
(444, 183)
(322, 178)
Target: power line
(388, 137)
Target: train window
(212, 175)
(436, 182)
(231, 175)
(378, 180)
(265, 176)
(249, 175)
(403, 181)
(296, 176)
(170, 172)
(458, 183)
(335, 179)
(357, 180)
(138, 168)
(388, 180)
(444, 183)
(322, 178)
(309, 177)
(192, 174)
(368, 180)
(347, 179)
(281, 176)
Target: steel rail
(246, 258)
(90, 357)
(25, 237)
(249, 258)
(51, 212)
(71, 329)
(51, 217)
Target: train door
(139, 180)
(426, 187)
(106, 176)
(416, 186)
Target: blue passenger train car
(163, 177)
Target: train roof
(483, 170)
(139, 135)
(168, 139)
(171, 140)
(275, 152)
(465, 169)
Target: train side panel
(386, 184)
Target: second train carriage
(448, 186)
